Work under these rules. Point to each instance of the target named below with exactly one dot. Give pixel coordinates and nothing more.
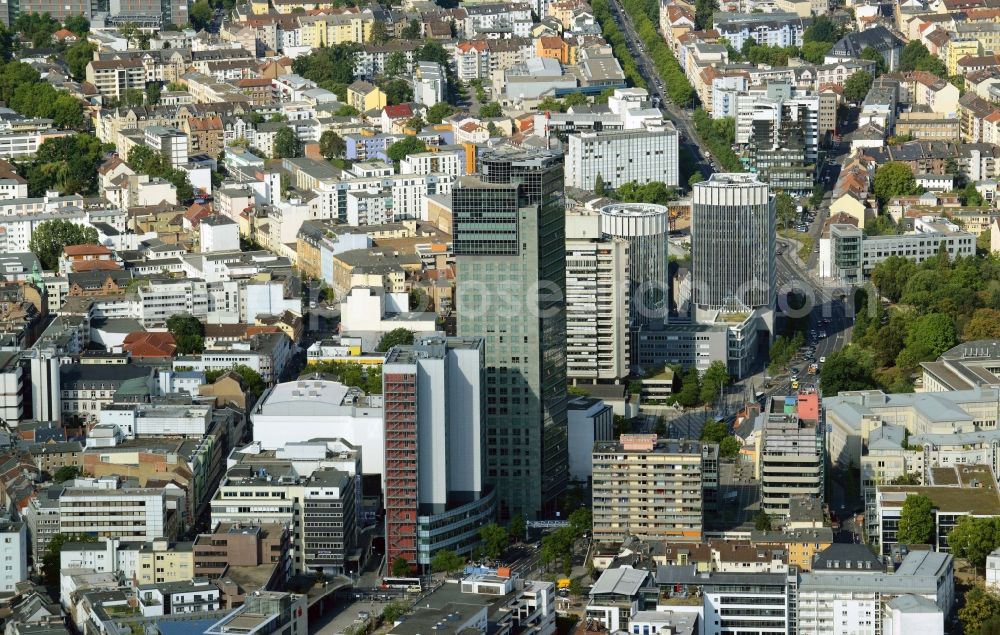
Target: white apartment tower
(597, 312)
(14, 554)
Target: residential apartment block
(652, 488)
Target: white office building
(165, 297)
(316, 408)
(847, 255)
(439, 479)
(103, 509)
(643, 156)
(773, 109)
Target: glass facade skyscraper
(509, 229)
(732, 244)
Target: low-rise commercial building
(850, 256)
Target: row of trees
(783, 349)
(495, 540)
(557, 547)
(678, 87)
(718, 135)
(613, 36)
(633, 192)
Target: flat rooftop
(967, 488)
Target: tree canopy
(144, 160)
(77, 57)
(892, 179)
(66, 164)
(447, 561)
(440, 110)
(397, 91)
(916, 521)
(200, 14)
(857, 86)
(822, 29)
(495, 540)
(400, 567)
(652, 192)
(395, 337)
(974, 538)
(332, 145)
(715, 378)
(51, 236)
(916, 57)
(845, 370)
(981, 606)
(872, 55)
(286, 144)
(21, 87)
(405, 147)
(784, 208)
(77, 24)
(331, 67)
(188, 332)
(36, 27)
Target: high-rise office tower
(509, 242)
(732, 246)
(434, 448)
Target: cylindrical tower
(732, 244)
(646, 228)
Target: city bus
(401, 583)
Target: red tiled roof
(86, 250)
(79, 266)
(205, 123)
(479, 45)
(144, 345)
(197, 212)
(253, 82)
(399, 111)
